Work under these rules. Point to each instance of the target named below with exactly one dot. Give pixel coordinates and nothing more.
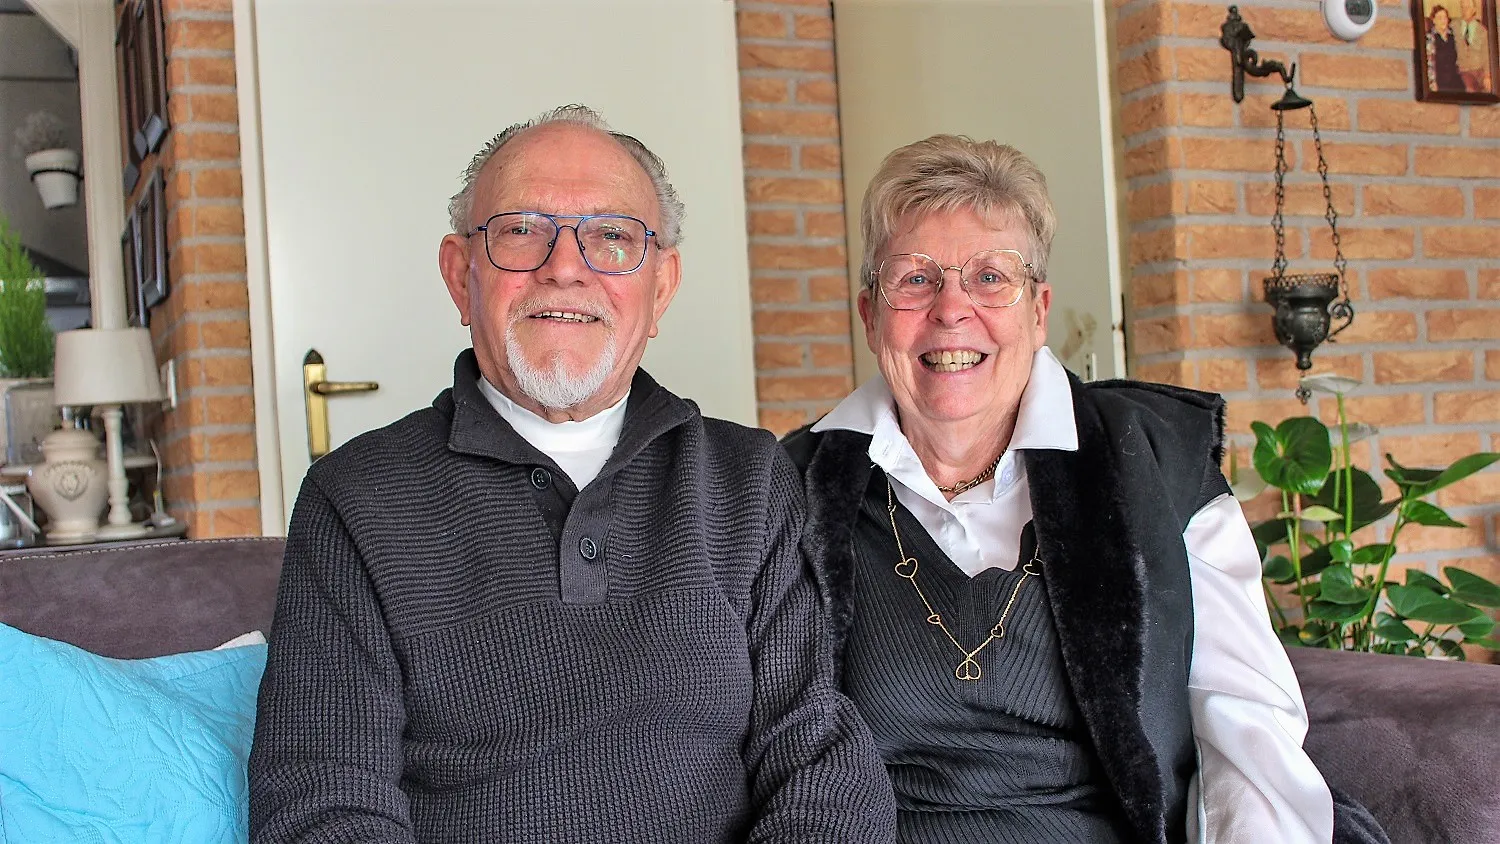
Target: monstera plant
(1326, 572)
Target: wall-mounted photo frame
(135, 309)
(140, 65)
(151, 242)
(1457, 51)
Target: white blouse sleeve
(1254, 782)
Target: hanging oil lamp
(1307, 305)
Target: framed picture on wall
(141, 68)
(1457, 51)
(151, 242)
(135, 310)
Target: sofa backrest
(144, 599)
(1414, 740)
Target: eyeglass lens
(993, 279)
(522, 241)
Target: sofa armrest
(146, 599)
(1414, 740)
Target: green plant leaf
(1457, 471)
(1408, 477)
(1421, 579)
(1451, 648)
(1369, 555)
(1368, 507)
(1393, 630)
(1339, 613)
(1422, 513)
(1339, 586)
(1478, 628)
(1471, 588)
(1295, 456)
(1491, 643)
(1319, 513)
(1421, 604)
(1342, 550)
(1277, 569)
(1316, 560)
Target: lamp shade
(105, 366)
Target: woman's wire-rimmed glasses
(522, 241)
(994, 278)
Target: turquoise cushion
(123, 750)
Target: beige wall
(1024, 73)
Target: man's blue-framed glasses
(522, 241)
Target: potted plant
(26, 337)
(1326, 570)
(53, 166)
(26, 344)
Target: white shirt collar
(598, 431)
(1045, 419)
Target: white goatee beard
(554, 389)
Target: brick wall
(1417, 187)
(795, 202)
(209, 439)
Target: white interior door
(358, 118)
(1029, 73)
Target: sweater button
(587, 548)
(540, 478)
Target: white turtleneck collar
(578, 448)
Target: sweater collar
(478, 429)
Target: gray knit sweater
(466, 648)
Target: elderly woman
(1049, 606)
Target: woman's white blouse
(1254, 781)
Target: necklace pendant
(968, 669)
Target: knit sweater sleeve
(815, 774)
(327, 757)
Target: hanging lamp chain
(1278, 266)
(1341, 308)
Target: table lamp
(105, 368)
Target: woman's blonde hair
(951, 173)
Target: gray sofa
(1417, 741)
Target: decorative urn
(71, 486)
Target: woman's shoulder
(1166, 400)
(1163, 413)
(801, 445)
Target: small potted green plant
(26, 337)
(1325, 570)
(26, 345)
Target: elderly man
(559, 604)
(1473, 42)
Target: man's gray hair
(669, 232)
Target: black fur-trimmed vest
(1109, 518)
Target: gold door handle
(316, 389)
(338, 388)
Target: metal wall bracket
(1235, 36)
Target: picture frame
(140, 66)
(135, 309)
(1457, 51)
(151, 244)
